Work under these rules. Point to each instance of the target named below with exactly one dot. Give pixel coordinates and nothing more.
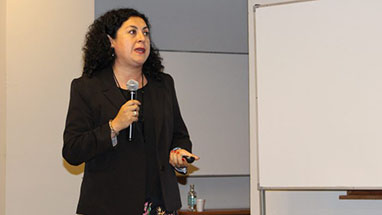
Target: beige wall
(44, 40)
(2, 105)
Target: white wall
(181, 26)
(224, 190)
(297, 202)
(2, 105)
(44, 40)
(212, 77)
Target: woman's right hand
(128, 113)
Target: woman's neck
(124, 74)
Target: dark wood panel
(243, 211)
(363, 194)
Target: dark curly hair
(97, 50)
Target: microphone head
(132, 85)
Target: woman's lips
(140, 50)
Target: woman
(125, 176)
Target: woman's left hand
(177, 160)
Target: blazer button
(161, 168)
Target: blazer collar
(114, 95)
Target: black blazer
(114, 177)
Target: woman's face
(132, 43)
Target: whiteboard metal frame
(279, 3)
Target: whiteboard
(319, 94)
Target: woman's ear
(111, 41)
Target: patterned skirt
(150, 209)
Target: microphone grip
(133, 96)
(131, 132)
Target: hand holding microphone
(129, 112)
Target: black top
(144, 134)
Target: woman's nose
(141, 37)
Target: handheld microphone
(132, 87)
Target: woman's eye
(146, 33)
(132, 32)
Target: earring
(112, 52)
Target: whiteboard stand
(262, 201)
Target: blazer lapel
(110, 89)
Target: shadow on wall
(182, 179)
(74, 170)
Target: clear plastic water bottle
(192, 198)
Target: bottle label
(191, 202)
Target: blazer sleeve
(181, 137)
(82, 139)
